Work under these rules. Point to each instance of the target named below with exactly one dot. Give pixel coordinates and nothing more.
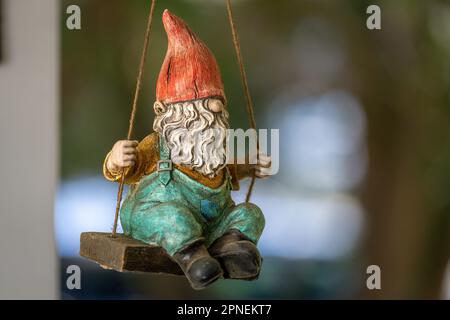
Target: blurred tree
(406, 99)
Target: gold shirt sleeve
(147, 156)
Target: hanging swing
(125, 254)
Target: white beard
(195, 135)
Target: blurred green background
(364, 140)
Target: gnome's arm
(243, 171)
(262, 167)
(146, 159)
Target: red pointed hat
(190, 70)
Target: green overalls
(169, 209)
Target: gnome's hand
(123, 155)
(262, 168)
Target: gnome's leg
(172, 226)
(246, 218)
(235, 248)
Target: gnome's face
(190, 112)
(195, 132)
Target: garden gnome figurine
(180, 182)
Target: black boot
(199, 267)
(239, 257)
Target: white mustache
(195, 136)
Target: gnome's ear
(215, 105)
(159, 108)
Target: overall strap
(164, 165)
(228, 178)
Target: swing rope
(134, 108)
(248, 98)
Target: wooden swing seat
(125, 254)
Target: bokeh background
(364, 140)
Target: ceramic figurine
(180, 186)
